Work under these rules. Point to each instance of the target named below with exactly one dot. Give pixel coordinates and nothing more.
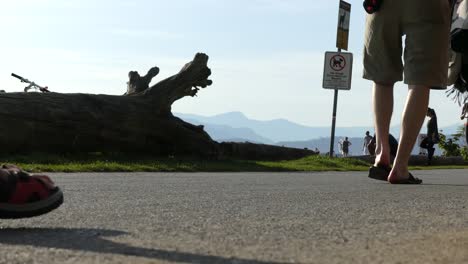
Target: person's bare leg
(414, 113)
(382, 100)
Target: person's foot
(381, 168)
(24, 195)
(379, 172)
(396, 176)
(410, 180)
(382, 157)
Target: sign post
(337, 70)
(338, 66)
(342, 35)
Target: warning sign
(338, 62)
(344, 15)
(337, 71)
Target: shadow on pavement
(93, 240)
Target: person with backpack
(432, 136)
(426, 26)
(392, 141)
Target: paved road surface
(246, 218)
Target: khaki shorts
(426, 25)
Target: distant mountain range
(235, 126)
(220, 132)
(274, 130)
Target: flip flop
(26, 195)
(411, 180)
(379, 172)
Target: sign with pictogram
(344, 16)
(338, 68)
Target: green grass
(319, 163)
(98, 162)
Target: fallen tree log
(252, 151)
(139, 122)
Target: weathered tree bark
(137, 84)
(142, 122)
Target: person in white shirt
(365, 146)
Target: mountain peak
(234, 114)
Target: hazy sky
(266, 55)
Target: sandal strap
(7, 186)
(29, 191)
(414, 179)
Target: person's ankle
(382, 160)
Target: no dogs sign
(337, 70)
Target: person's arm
(435, 130)
(464, 112)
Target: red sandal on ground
(24, 195)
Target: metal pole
(332, 139)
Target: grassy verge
(97, 162)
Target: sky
(266, 56)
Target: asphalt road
(246, 218)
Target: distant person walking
(345, 144)
(432, 136)
(365, 146)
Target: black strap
(452, 4)
(8, 188)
